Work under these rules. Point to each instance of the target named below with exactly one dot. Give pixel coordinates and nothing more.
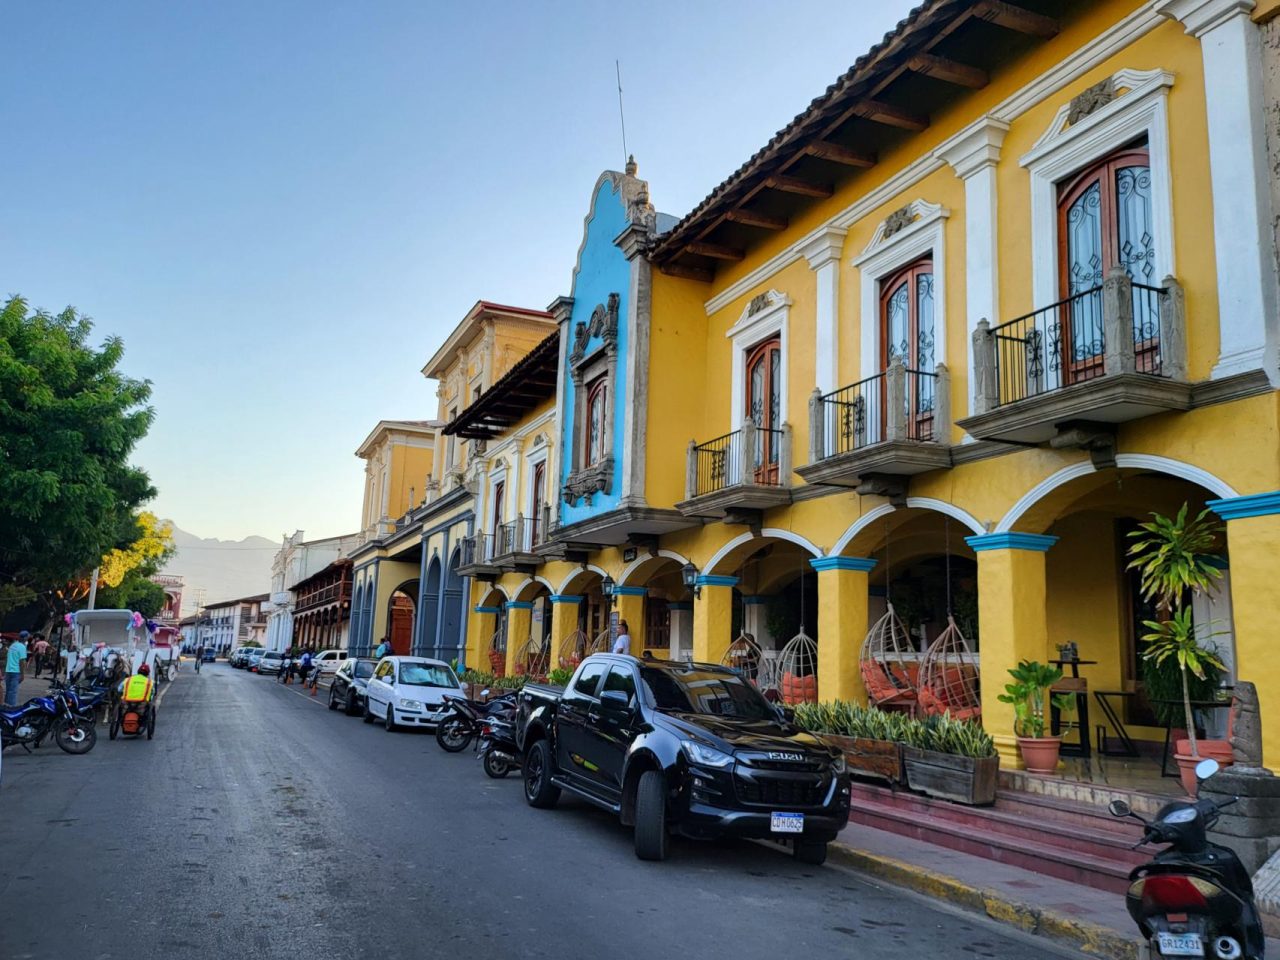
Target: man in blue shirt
(13, 662)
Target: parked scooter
(455, 732)
(498, 752)
(27, 726)
(1194, 899)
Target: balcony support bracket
(1097, 438)
(754, 519)
(891, 487)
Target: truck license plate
(1180, 944)
(787, 822)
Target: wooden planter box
(962, 779)
(881, 759)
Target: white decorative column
(823, 254)
(1231, 48)
(973, 158)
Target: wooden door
(906, 334)
(764, 407)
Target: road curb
(1088, 938)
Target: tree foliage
(69, 421)
(144, 555)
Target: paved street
(258, 824)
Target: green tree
(69, 420)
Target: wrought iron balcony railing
(751, 456)
(893, 405)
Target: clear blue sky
(283, 207)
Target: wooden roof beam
(948, 71)
(802, 188)
(1016, 18)
(749, 218)
(825, 150)
(716, 251)
(687, 271)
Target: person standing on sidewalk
(384, 649)
(14, 659)
(40, 651)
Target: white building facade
(297, 560)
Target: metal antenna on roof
(621, 116)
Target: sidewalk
(1092, 921)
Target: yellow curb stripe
(1089, 938)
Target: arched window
(595, 441)
(764, 405)
(1104, 219)
(906, 334)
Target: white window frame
(1143, 108)
(886, 256)
(750, 331)
(496, 476)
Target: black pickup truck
(681, 747)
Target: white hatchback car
(409, 692)
(329, 660)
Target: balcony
(896, 423)
(743, 472)
(1104, 356)
(509, 548)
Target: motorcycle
(1194, 899)
(455, 732)
(27, 726)
(498, 752)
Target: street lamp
(689, 574)
(606, 588)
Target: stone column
(519, 621)
(974, 159)
(843, 589)
(823, 254)
(564, 621)
(713, 617)
(629, 602)
(1253, 532)
(1231, 50)
(1011, 608)
(480, 626)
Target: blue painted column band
(715, 580)
(1037, 542)
(630, 591)
(566, 598)
(842, 563)
(1253, 505)
(480, 609)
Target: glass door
(764, 407)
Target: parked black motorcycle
(1194, 899)
(455, 732)
(498, 752)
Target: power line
(621, 116)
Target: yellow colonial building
(1005, 288)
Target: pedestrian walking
(384, 649)
(40, 650)
(14, 663)
(199, 657)
(304, 665)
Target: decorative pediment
(757, 308)
(603, 325)
(905, 220)
(1101, 100)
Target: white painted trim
(1062, 151)
(1115, 38)
(915, 503)
(1124, 461)
(624, 578)
(882, 257)
(529, 580)
(855, 528)
(768, 533)
(823, 254)
(1201, 16)
(578, 571)
(750, 330)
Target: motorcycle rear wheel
(452, 735)
(496, 766)
(76, 736)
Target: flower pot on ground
(970, 780)
(1187, 772)
(1029, 694)
(877, 759)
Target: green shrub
(940, 733)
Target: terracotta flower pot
(1187, 772)
(1040, 754)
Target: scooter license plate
(1180, 944)
(786, 822)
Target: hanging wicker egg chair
(798, 669)
(743, 655)
(498, 651)
(889, 664)
(533, 658)
(949, 677)
(572, 650)
(600, 644)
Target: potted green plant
(1029, 695)
(1176, 559)
(951, 759)
(870, 738)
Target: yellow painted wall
(410, 467)
(677, 394)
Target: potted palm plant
(1175, 559)
(1029, 694)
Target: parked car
(253, 659)
(269, 663)
(349, 683)
(409, 691)
(210, 655)
(685, 747)
(240, 656)
(329, 660)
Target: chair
(949, 677)
(798, 669)
(888, 664)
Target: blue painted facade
(602, 270)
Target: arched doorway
(429, 622)
(592, 627)
(666, 617)
(493, 648)
(401, 615)
(452, 639)
(533, 655)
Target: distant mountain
(221, 569)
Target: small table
(1081, 748)
(1128, 748)
(1168, 728)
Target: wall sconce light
(689, 574)
(606, 587)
